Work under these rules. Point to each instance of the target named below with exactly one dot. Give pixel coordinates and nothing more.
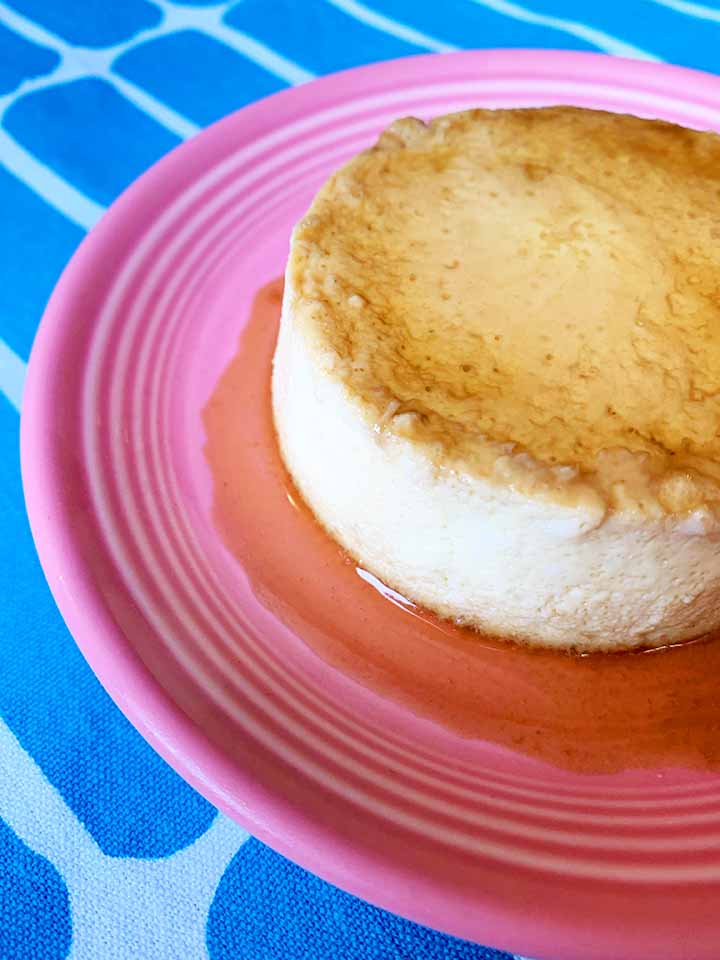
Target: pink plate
(456, 834)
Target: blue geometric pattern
(104, 852)
(308, 32)
(90, 134)
(20, 59)
(43, 241)
(34, 904)
(91, 23)
(254, 916)
(454, 20)
(196, 74)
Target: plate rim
(119, 669)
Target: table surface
(104, 851)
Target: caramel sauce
(598, 713)
(545, 280)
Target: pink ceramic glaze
(458, 834)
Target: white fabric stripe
(260, 54)
(27, 28)
(65, 72)
(12, 375)
(47, 184)
(109, 895)
(40, 823)
(209, 20)
(698, 10)
(159, 111)
(82, 62)
(380, 22)
(600, 39)
(136, 902)
(38, 34)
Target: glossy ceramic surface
(461, 834)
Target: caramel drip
(596, 714)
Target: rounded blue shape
(35, 919)
(266, 907)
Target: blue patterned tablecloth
(104, 852)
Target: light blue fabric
(104, 852)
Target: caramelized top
(532, 294)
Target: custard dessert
(497, 377)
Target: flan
(497, 375)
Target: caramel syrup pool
(598, 713)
